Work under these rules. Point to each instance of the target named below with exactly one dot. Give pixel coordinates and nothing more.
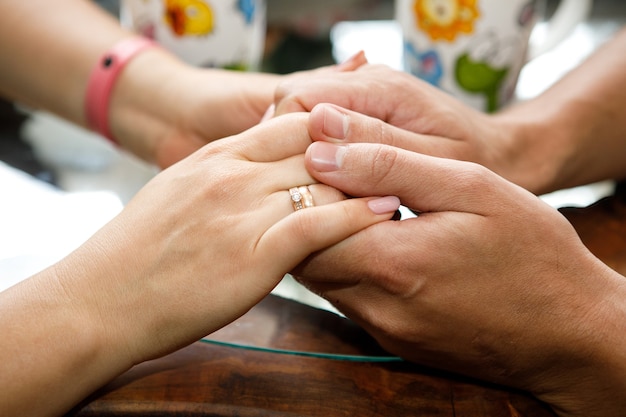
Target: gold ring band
(307, 197)
(301, 197)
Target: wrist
(103, 78)
(588, 376)
(537, 146)
(560, 137)
(102, 277)
(84, 279)
(163, 109)
(56, 340)
(145, 101)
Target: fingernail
(384, 205)
(326, 157)
(335, 123)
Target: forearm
(52, 345)
(161, 108)
(575, 133)
(49, 49)
(78, 324)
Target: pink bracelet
(102, 80)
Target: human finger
(333, 123)
(273, 140)
(355, 61)
(366, 90)
(301, 95)
(269, 113)
(318, 194)
(283, 174)
(424, 183)
(312, 229)
(283, 203)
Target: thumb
(423, 183)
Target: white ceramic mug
(475, 49)
(208, 33)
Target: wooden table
(220, 380)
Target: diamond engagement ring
(301, 197)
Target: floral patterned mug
(475, 49)
(208, 33)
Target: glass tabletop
(294, 321)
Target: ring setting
(301, 197)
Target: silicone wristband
(102, 80)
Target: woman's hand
(195, 249)
(221, 224)
(164, 110)
(487, 281)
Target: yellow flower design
(189, 17)
(445, 19)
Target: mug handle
(568, 14)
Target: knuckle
(288, 98)
(473, 182)
(303, 227)
(284, 89)
(382, 164)
(473, 177)
(384, 133)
